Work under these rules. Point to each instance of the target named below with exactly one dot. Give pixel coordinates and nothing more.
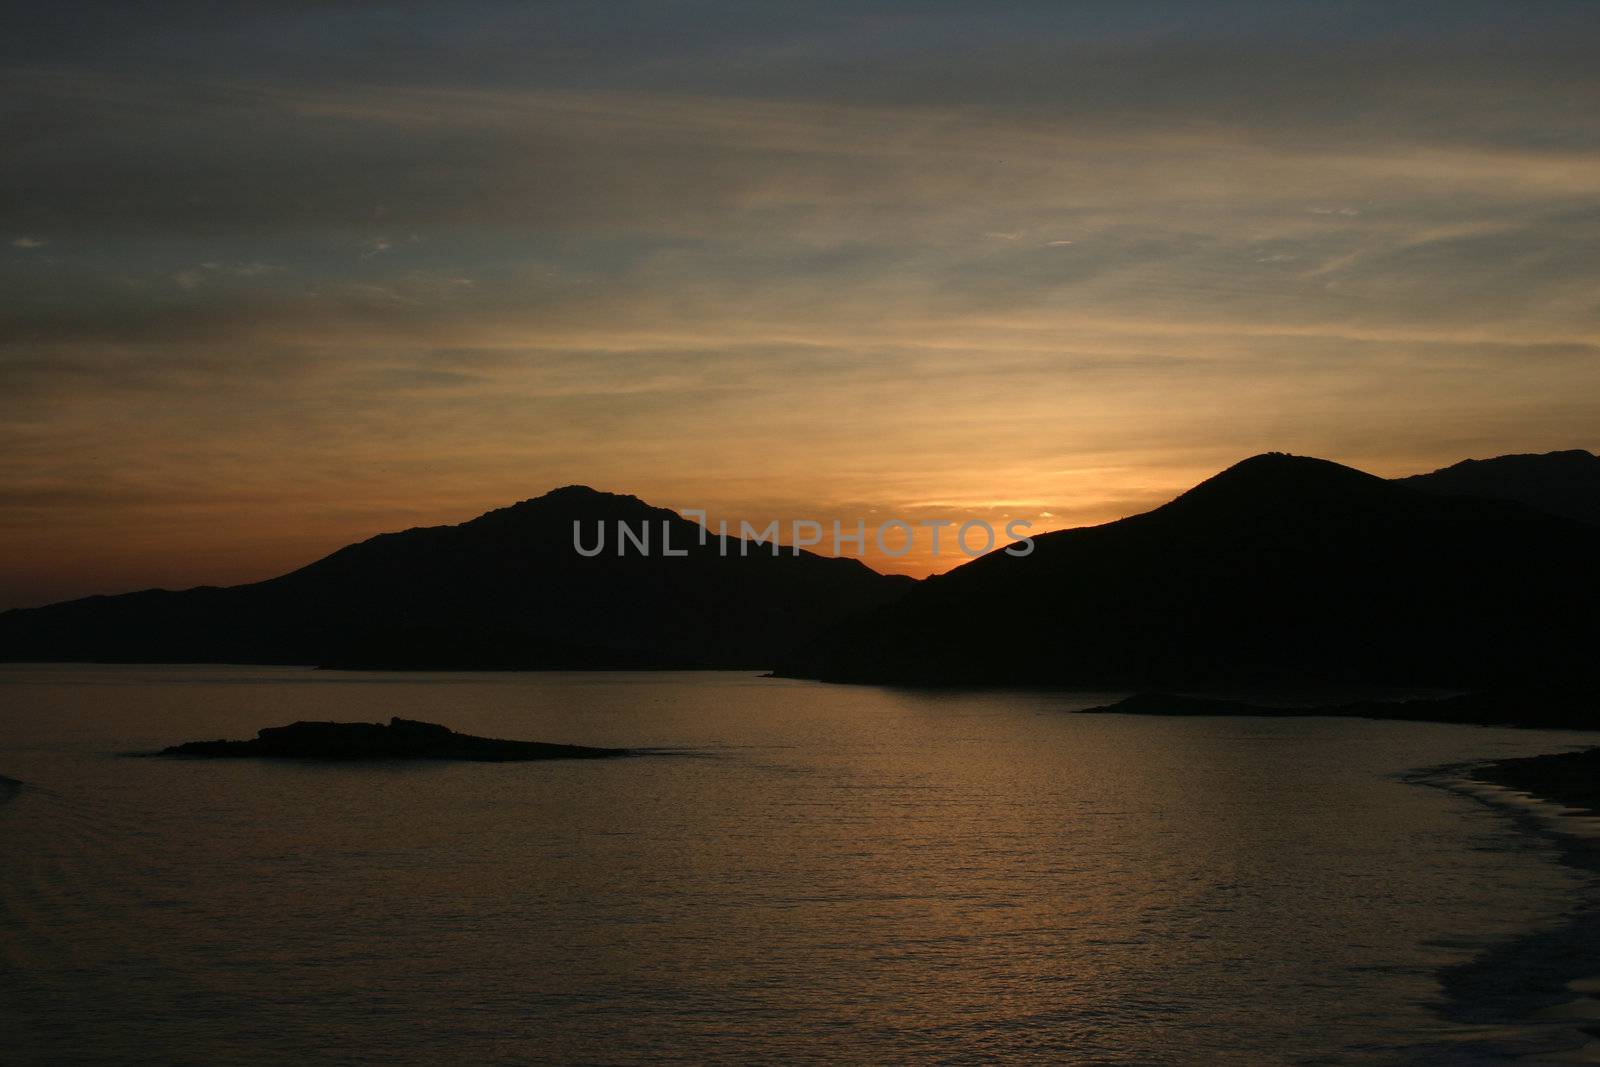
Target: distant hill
(1562, 483)
(1281, 568)
(504, 590)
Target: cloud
(27, 242)
(599, 249)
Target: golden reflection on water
(808, 871)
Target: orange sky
(264, 302)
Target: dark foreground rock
(400, 739)
(1568, 778)
(1555, 709)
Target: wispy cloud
(1013, 256)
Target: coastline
(1570, 779)
(1542, 985)
(1549, 977)
(1553, 708)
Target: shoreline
(1570, 779)
(1547, 978)
(1555, 708)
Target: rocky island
(400, 739)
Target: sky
(279, 277)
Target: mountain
(1561, 483)
(1281, 568)
(505, 590)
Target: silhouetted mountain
(1562, 483)
(1280, 568)
(504, 590)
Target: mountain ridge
(1278, 568)
(502, 590)
(1565, 482)
(1246, 575)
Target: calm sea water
(801, 873)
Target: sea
(786, 872)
